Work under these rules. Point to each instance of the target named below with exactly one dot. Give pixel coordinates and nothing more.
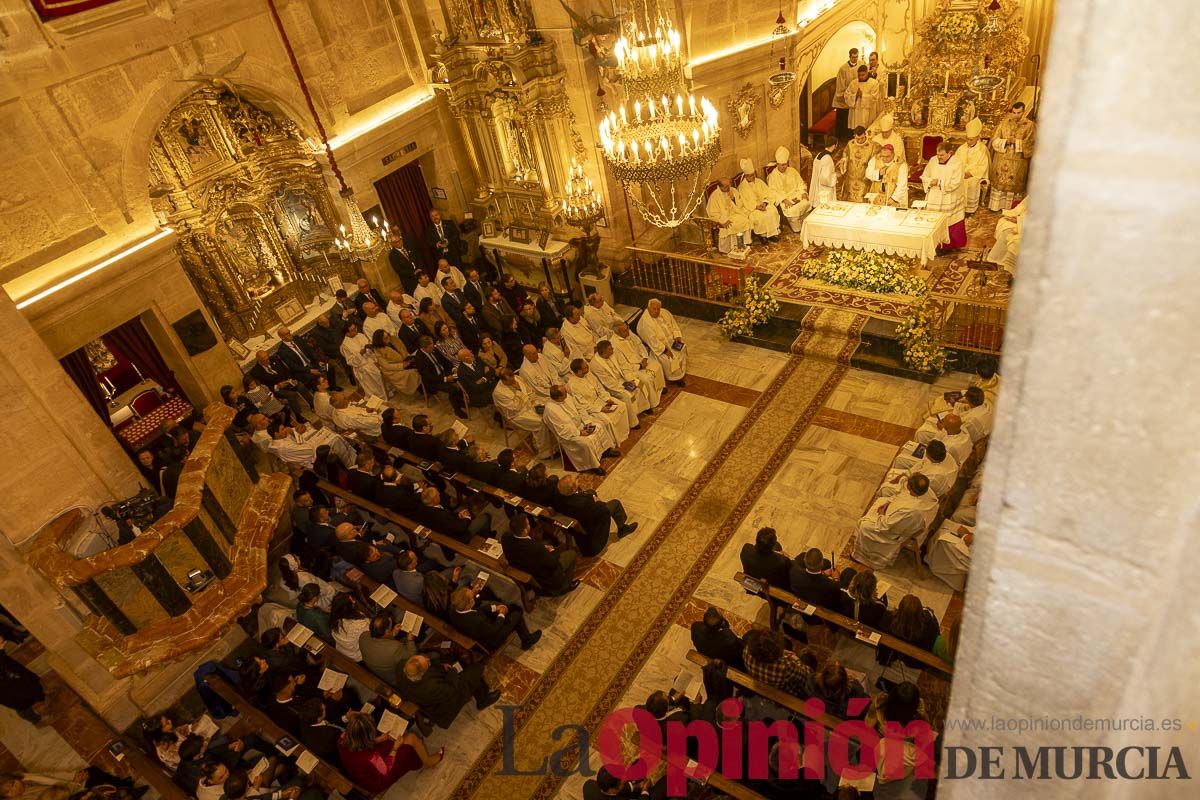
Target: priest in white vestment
(944, 189)
(733, 226)
(757, 202)
(356, 349)
(822, 186)
(889, 178)
(788, 187)
(539, 373)
(936, 465)
(556, 351)
(320, 404)
(949, 554)
(583, 437)
(376, 320)
(626, 383)
(663, 338)
(355, 418)
(973, 411)
(427, 288)
(446, 270)
(891, 521)
(973, 155)
(1008, 235)
(578, 335)
(298, 445)
(590, 393)
(886, 134)
(600, 316)
(518, 404)
(398, 303)
(862, 97)
(631, 353)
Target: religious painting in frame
(289, 310)
(520, 235)
(335, 283)
(543, 237)
(489, 229)
(742, 107)
(238, 349)
(438, 193)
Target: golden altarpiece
(255, 220)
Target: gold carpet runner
(594, 670)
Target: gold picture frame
(743, 107)
(519, 235)
(289, 310)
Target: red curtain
(78, 366)
(132, 339)
(405, 200)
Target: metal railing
(685, 275)
(968, 323)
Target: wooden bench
(777, 696)
(325, 773)
(471, 552)
(779, 600)
(145, 768)
(338, 661)
(355, 579)
(474, 484)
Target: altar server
(822, 187)
(356, 349)
(943, 182)
(757, 202)
(973, 155)
(600, 316)
(862, 97)
(631, 353)
(298, 445)
(518, 403)
(889, 178)
(789, 189)
(887, 134)
(733, 224)
(584, 438)
(591, 395)
(663, 338)
(949, 556)
(892, 521)
(578, 334)
(624, 380)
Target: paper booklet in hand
(393, 725)
(459, 429)
(383, 595)
(205, 727)
(411, 623)
(332, 681)
(307, 762)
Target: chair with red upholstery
(145, 402)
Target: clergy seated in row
(789, 189)
(558, 353)
(950, 433)
(632, 354)
(579, 336)
(663, 338)
(356, 418)
(600, 316)
(974, 412)
(376, 320)
(757, 202)
(356, 349)
(1009, 230)
(949, 553)
(973, 155)
(935, 464)
(733, 225)
(985, 378)
(595, 516)
(539, 369)
(521, 408)
(853, 165)
(591, 395)
(888, 177)
(584, 437)
(891, 522)
(623, 381)
(945, 192)
(299, 445)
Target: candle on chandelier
(679, 104)
(692, 104)
(649, 151)
(636, 158)
(695, 139)
(637, 110)
(665, 146)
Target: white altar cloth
(915, 233)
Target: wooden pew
(355, 579)
(467, 551)
(325, 773)
(779, 600)
(474, 484)
(144, 768)
(338, 661)
(777, 696)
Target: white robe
(976, 161)
(614, 376)
(895, 140)
(864, 109)
(301, 448)
(432, 290)
(976, 422)
(630, 351)
(947, 196)
(394, 309)
(1008, 235)
(592, 396)
(558, 361)
(941, 475)
(539, 376)
(789, 185)
(822, 187)
(880, 537)
(517, 406)
(567, 421)
(949, 557)
(899, 196)
(601, 320)
(358, 419)
(380, 321)
(658, 334)
(580, 338)
(958, 447)
(722, 209)
(366, 371)
(751, 194)
(460, 280)
(322, 407)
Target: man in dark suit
(395, 492)
(594, 516)
(455, 524)
(367, 294)
(477, 465)
(406, 262)
(271, 373)
(470, 327)
(507, 478)
(345, 309)
(453, 299)
(363, 479)
(550, 311)
(476, 290)
(302, 362)
(497, 314)
(411, 330)
(477, 379)
(438, 375)
(765, 560)
(327, 336)
(394, 432)
(320, 532)
(809, 581)
(713, 638)
(423, 442)
(489, 623)
(443, 238)
(552, 569)
(441, 692)
(316, 733)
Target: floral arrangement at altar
(753, 307)
(867, 272)
(921, 350)
(956, 26)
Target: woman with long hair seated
(447, 341)
(395, 362)
(374, 760)
(491, 353)
(430, 314)
(347, 621)
(911, 622)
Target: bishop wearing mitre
(973, 154)
(788, 187)
(723, 209)
(887, 134)
(855, 158)
(757, 202)
(889, 178)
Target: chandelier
(650, 64)
(361, 242)
(581, 206)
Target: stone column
(1081, 598)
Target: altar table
(903, 232)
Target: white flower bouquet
(754, 306)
